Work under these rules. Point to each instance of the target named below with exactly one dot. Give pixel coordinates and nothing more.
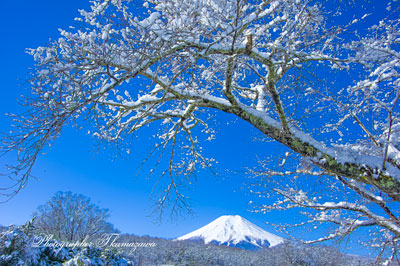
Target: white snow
(231, 230)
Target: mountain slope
(234, 230)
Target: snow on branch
(327, 94)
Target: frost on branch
(333, 206)
(326, 93)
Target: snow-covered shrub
(15, 248)
(55, 257)
(97, 257)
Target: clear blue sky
(71, 165)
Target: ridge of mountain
(234, 231)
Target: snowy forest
(321, 78)
(72, 218)
(171, 253)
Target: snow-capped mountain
(234, 231)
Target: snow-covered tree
(17, 247)
(296, 70)
(72, 217)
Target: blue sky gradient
(111, 181)
(74, 165)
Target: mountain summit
(234, 231)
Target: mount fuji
(234, 231)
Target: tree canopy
(299, 71)
(71, 217)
